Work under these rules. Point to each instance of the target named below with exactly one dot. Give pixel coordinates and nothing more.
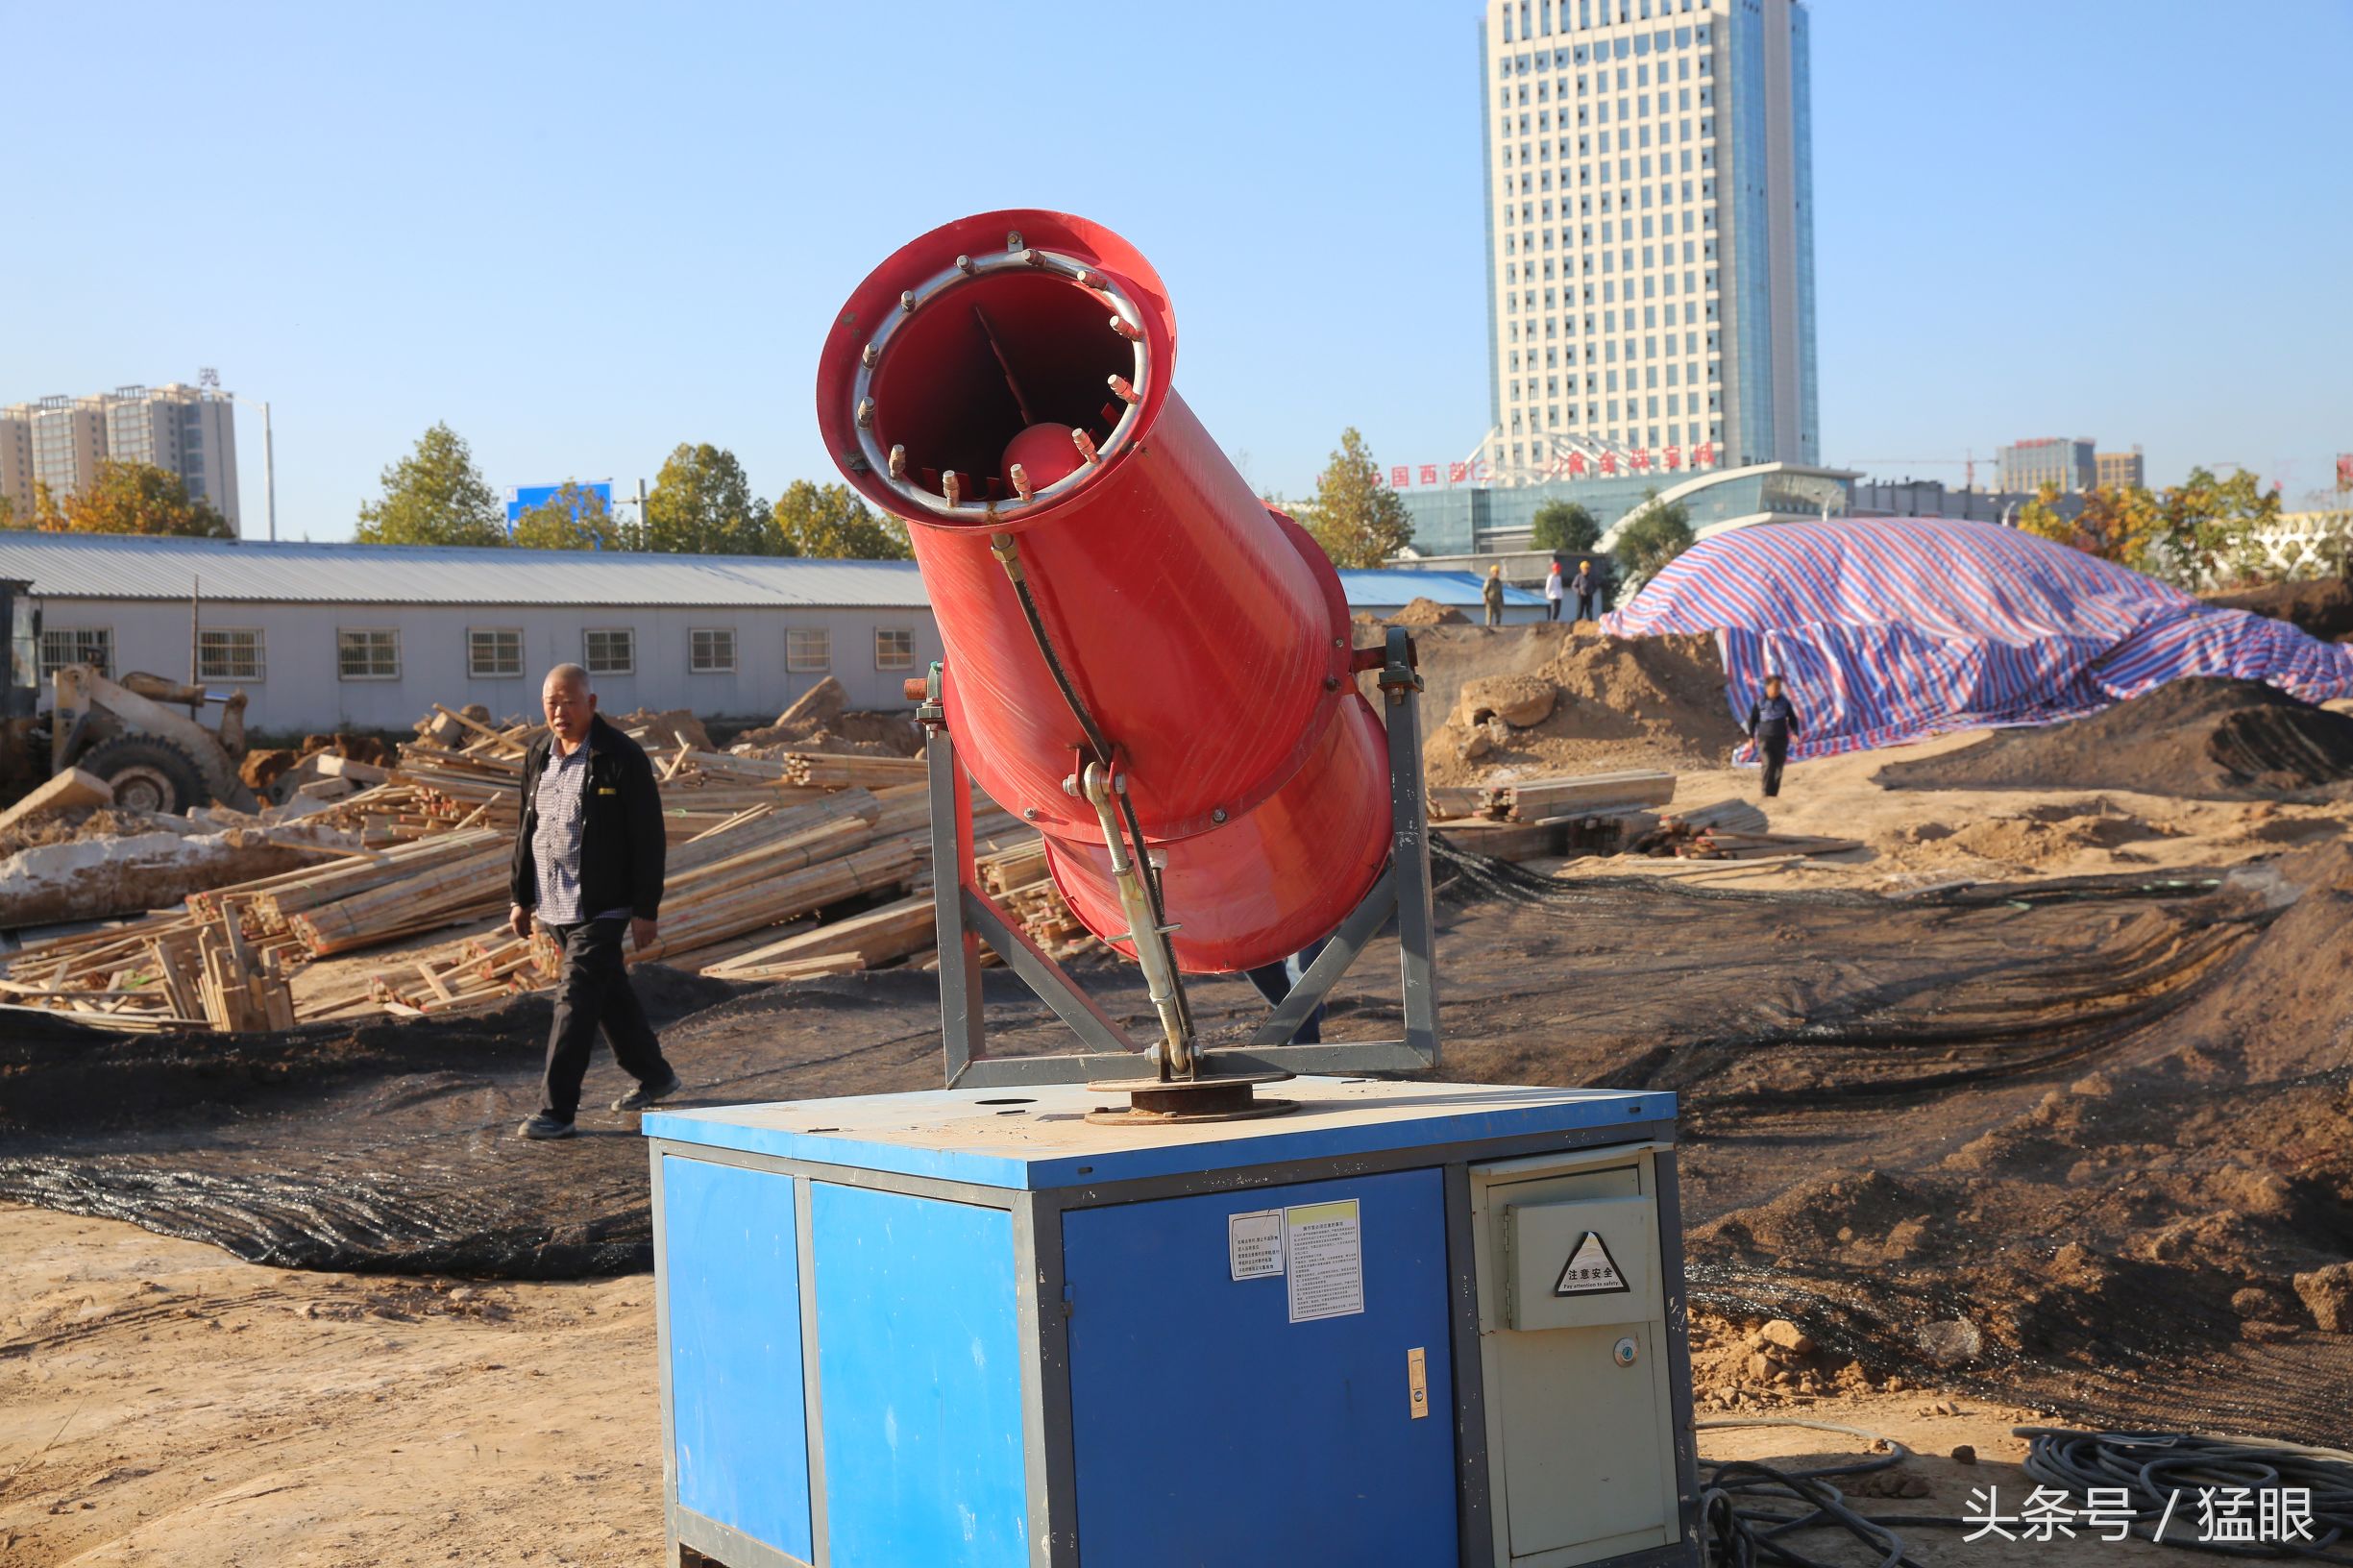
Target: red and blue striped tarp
(1891, 630)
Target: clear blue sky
(583, 234)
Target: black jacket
(621, 848)
(1771, 717)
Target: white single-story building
(345, 636)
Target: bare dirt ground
(2063, 1141)
(161, 1404)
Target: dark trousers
(1495, 615)
(1274, 982)
(593, 989)
(1551, 609)
(1774, 749)
(1584, 607)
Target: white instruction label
(1324, 1246)
(1254, 1243)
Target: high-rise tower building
(59, 441)
(1650, 226)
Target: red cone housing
(1205, 636)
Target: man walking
(1552, 591)
(1586, 586)
(588, 860)
(1773, 718)
(1491, 594)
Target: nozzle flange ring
(1131, 391)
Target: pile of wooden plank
(761, 842)
(191, 970)
(1526, 818)
(1018, 880)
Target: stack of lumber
(184, 970)
(1570, 799)
(1526, 818)
(1016, 879)
(902, 928)
(762, 845)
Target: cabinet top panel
(1038, 1137)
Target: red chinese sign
(2345, 470)
(1576, 465)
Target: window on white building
(711, 650)
(808, 650)
(894, 650)
(368, 653)
(610, 651)
(493, 652)
(62, 645)
(229, 654)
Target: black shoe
(543, 1126)
(644, 1096)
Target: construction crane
(1378, 1320)
(1967, 463)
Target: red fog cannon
(1142, 658)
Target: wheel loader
(124, 731)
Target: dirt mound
(2322, 609)
(261, 768)
(1427, 612)
(818, 721)
(1619, 702)
(2206, 737)
(664, 729)
(2036, 837)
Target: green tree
(2193, 535)
(8, 513)
(701, 504)
(830, 522)
(1563, 525)
(2205, 527)
(1654, 535)
(573, 518)
(134, 497)
(1358, 520)
(435, 495)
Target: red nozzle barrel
(1205, 636)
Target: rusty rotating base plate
(1176, 1102)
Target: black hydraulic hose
(1008, 552)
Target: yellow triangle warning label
(1590, 1270)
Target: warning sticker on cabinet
(1254, 1243)
(1590, 1270)
(1323, 1248)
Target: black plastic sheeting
(2065, 1080)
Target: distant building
(2026, 466)
(59, 442)
(16, 461)
(1468, 527)
(2122, 470)
(1932, 497)
(1650, 226)
(341, 636)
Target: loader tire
(148, 775)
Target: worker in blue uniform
(1773, 720)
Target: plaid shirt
(556, 844)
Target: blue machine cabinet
(1431, 1324)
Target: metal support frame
(967, 917)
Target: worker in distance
(1773, 720)
(588, 864)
